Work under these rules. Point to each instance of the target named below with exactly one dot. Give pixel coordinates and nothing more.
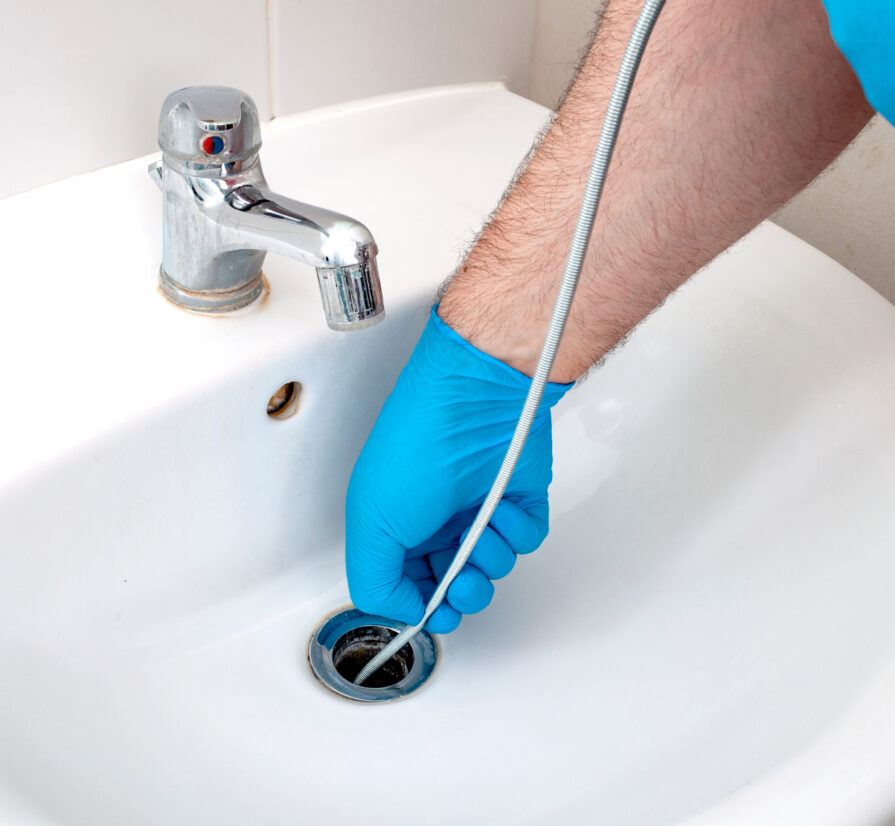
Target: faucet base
(210, 301)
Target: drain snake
(608, 135)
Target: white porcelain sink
(707, 637)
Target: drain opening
(346, 641)
(356, 648)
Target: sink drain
(347, 641)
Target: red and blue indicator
(212, 145)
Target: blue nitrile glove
(865, 32)
(428, 465)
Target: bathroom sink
(706, 637)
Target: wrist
(447, 352)
(515, 343)
(512, 332)
(502, 298)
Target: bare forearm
(736, 108)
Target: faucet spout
(221, 219)
(341, 249)
(307, 233)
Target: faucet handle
(204, 128)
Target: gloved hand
(428, 465)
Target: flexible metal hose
(611, 124)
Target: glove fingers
(513, 530)
(376, 579)
(521, 529)
(447, 537)
(404, 603)
(445, 619)
(492, 554)
(417, 568)
(524, 530)
(471, 591)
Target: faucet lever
(220, 218)
(208, 127)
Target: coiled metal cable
(611, 124)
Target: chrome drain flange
(348, 640)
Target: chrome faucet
(220, 219)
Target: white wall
(81, 82)
(561, 35)
(327, 51)
(849, 212)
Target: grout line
(534, 52)
(272, 88)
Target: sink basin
(707, 636)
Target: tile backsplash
(328, 52)
(83, 82)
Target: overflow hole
(284, 402)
